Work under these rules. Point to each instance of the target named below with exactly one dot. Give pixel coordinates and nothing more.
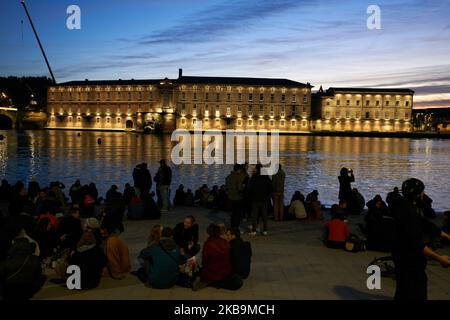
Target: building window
(228, 97)
(228, 111)
(357, 115)
(348, 103)
(98, 120)
(250, 122)
(272, 97)
(217, 96)
(327, 115)
(407, 103)
(328, 102)
(206, 110)
(261, 122)
(386, 115)
(195, 95)
(337, 115)
(282, 123)
(183, 96)
(79, 119)
(206, 96)
(293, 123)
(294, 98)
(367, 115)
(250, 97)
(357, 103)
(338, 102)
(194, 122)
(377, 115)
(140, 95)
(107, 120)
(70, 119)
(183, 121)
(271, 123)
(250, 111)
(406, 115)
(387, 103)
(347, 114)
(261, 97)
(118, 95)
(118, 120)
(261, 110)
(129, 95)
(239, 96)
(151, 95)
(367, 103)
(397, 103)
(239, 122)
(305, 99)
(283, 98)
(377, 103)
(294, 110)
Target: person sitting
(21, 274)
(70, 229)
(128, 193)
(377, 209)
(358, 202)
(204, 193)
(136, 209)
(426, 206)
(394, 199)
(297, 206)
(151, 209)
(343, 208)
(337, 230)
(313, 205)
(163, 259)
(46, 237)
(213, 197)
(185, 235)
(240, 253)
(216, 263)
(380, 226)
(117, 253)
(91, 260)
(189, 198)
(180, 195)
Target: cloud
(218, 20)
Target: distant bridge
(8, 117)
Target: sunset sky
(322, 42)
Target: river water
(310, 162)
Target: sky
(326, 43)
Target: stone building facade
(222, 103)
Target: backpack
(355, 244)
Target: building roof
(242, 81)
(336, 89)
(110, 82)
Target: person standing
(278, 194)
(345, 188)
(163, 179)
(259, 192)
(234, 188)
(410, 251)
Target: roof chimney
(180, 73)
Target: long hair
(155, 235)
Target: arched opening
(6, 122)
(129, 124)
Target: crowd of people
(45, 229)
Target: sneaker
(253, 233)
(264, 233)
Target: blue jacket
(162, 263)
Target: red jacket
(337, 230)
(216, 263)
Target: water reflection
(310, 162)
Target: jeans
(257, 209)
(164, 194)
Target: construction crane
(39, 41)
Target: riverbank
(291, 263)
